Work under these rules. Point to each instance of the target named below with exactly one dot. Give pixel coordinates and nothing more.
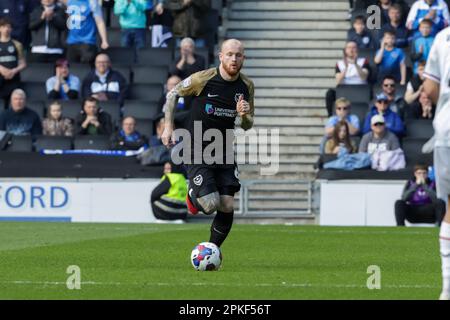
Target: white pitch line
(212, 284)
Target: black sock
(220, 227)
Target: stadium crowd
(378, 103)
(73, 68)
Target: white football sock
(444, 240)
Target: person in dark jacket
(189, 62)
(92, 120)
(419, 203)
(103, 83)
(18, 11)
(47, 25)
(360, 34)
(18, 119)
(128, 138)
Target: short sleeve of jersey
(192, 85)
(95, 8)
(432, 68)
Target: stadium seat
(20, 144)
(35, 90)
(419, 129)
(121, 56)
(124, 71)
(53, 142)
(141, 109)
(360, 109)
(154, 57)
(80, 70)
(113, 109)
(90, 142)
(146, 92)
(413, 152)
(38, 107)
(71, 108)
(145, 127)
(38, 72)
(354, 93)
(150, 75)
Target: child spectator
(189, 62)
(18, 119)
(340, 139)
(390, 60)
(396, 26)
(63, 85)
(379, 138)
(419, 202)
(128, 138)
(434, 10)
(360, 35)
(47, 23)
(103, 83)
(391, 120)
(414, 86)
(83, 26)
(12, 61)
(55, 124)
(92, 120)
(350, 70)
(421, 45)
(343, 108)
(132, 19)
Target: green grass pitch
(151, 261)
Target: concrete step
(277, 195)
(291, 63)
(294, 44)
(289, 6)
(287, 34)
(292, 121)
(273, 82)
(287, 25)
(244, 175)
(282, 168)
(299, 149)
(266, 205)
(294, 53)
(283, 188)
(297, 15)
(289, 72)
(284, 140)
(306, 131)
(289, 112)
(290, 102)
(292, 93)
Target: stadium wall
(77, 200)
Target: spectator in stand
(379, 138)
(155, 140)
(189, 62)
(421, 45)
(396, 102)
(55, 124)
(360, 34)
(18, 119)
(128, 138)
(423, 108)
(419, 202)
(171, 82)
(12, 61)
(18, 11)
(63, 85)
(434, 10)
(47, 23)
(133, 20)
(351, 70)
(391, 120)
(103, 83)
(385, 5)
(92, 120)
(390, 60)
(414, 86)
(168, 199)
(83, 26)
(189, 18)
(182, 109)
(340, 140)
(343, 108)
(396, 26)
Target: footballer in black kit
(220, 95)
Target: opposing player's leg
(442, 170)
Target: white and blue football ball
(206, 256)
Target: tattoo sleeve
(169, 106)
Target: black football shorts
(205, 179)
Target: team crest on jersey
(187, 82)
(198, 180)
(11, 49)
(237, 96)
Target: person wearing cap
(392, 120)
(379, 138)
(63, 85)
(47, 25)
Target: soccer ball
(206, 256)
